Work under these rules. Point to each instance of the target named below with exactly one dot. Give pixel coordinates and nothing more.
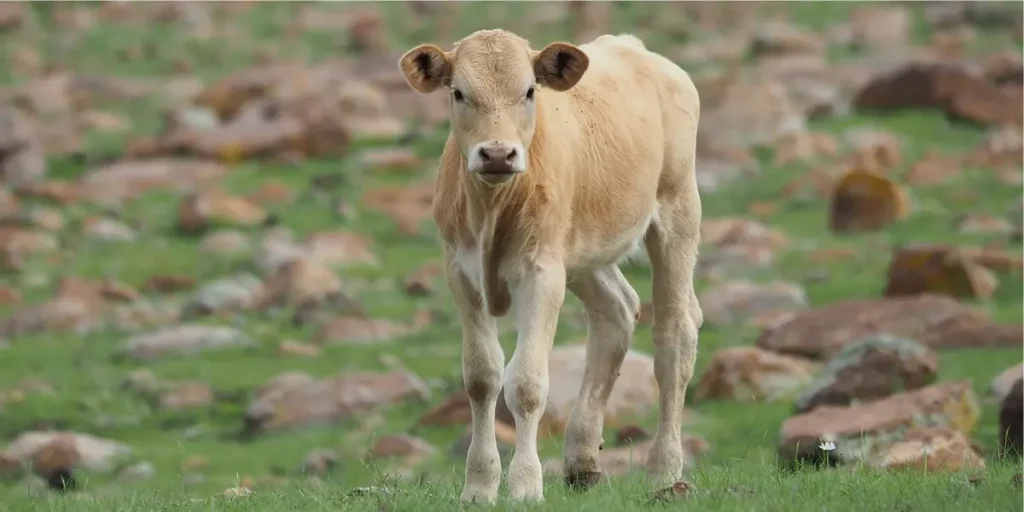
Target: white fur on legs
(672, 246)
(536, 300)
(482, 361)
(612, 307)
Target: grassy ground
(738, 474)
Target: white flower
(827, 446)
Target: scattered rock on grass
(929, 449)
(860, 429)
(750, 373)
(733, 301)
(1011, 417)
(870, 369)
(183, 340)
(938, 269)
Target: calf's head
(492, 78)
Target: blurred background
(218, 268)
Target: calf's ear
(560, 65)
(426, 67)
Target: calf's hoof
(582, 480)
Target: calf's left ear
(560, 65)
(426, 67)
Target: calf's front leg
(482, 360)
(536, 300)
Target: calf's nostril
(484, 155)
(511, 156)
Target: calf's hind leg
(612, 307)
(672, 247)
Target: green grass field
(738, 473)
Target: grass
(740, 473)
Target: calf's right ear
(426, 67)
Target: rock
(184, 395)
(804, 146)
(295, 399)
(142, 382)
(750, 373)
(227, 295)
(409, 448)
(733, 301)
(300, 282)
(774, 38)
(984, 223)
(391, 159)
(90, 453)
(22, 155)
(55, 462)
(880, 28)
(109, 230)
(128, 179)
(319, 462)
(935, 269)
(873, 368)
(237, 492)
(934, 321)
(225, 242)
(753, 115)
(732, 244)
(678, 490)
(1011, 416)
(631, 434)
(138, 472)
(929, 449)
(168, 283)
(213, 206)
(341, 248)
(874, 150)
(359, 329)
(408, 206)
(183, 340)
(863, 200)
(1003, 383)
(864, 428)
(421, 282)
(951, 87)
(78, 306)
(295, 348)
(933, 168)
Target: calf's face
(492, 78)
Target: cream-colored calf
(559, 162)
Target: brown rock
(410, 448)
(733, 301)
(300, 282)
(295, 348)
(983, 223)
(22, 155)
(994, 259)
(391, 159)
(357, 329)
(880, 28)
(13, 16)
(168, 283)
(9, 295)
(271, 192)
(1011, 417)
(929, 449)
(630, 434)
(421, 282)
(366, 31)
(111, 230)
(857, 428)
(933, 168)
(213, 206)
(752, 115)
(294, 400)
(676, 491)
(874, 150)
(865, 201)
(224, 242)
(182, 340)
(935, 321)
(409, 206)
(56, 461)
(749, 373)
(946, 86)
(341, 248)
(942, 270)
(128, 179)
(803, 146)
(873, 368)
(589, 20)
(185, 395)
(774, 38)
(319, 462)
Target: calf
(559, 162)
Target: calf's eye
(529, 93)
(457, 94)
